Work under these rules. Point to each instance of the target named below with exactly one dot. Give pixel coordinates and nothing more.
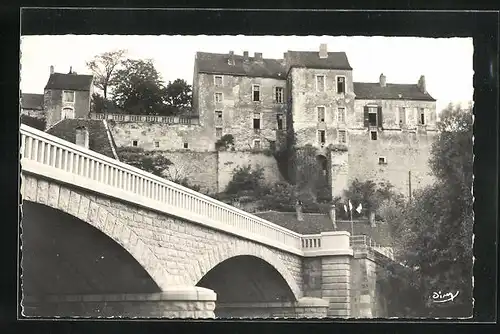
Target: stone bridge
(102, 238)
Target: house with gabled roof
(67, 95)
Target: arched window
(68, 113)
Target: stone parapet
(178, 302)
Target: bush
(150, 162)
(225, 142)
(246, 181)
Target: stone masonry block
(335, 293)
(30, 188)
(335, 286)
(83, 210)
(102, 214)
(336, 273)
(64, 199)
(42, 193)
(335, 266)
(93, 213)
(74, 203)
(53, 195)
(336, 279)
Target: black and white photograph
(248, 177)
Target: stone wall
(306, 99)
(173, 251)
(238, 108)
(306, 307)
(228, 161)
(367, 299)
(157, 136)
(188, 302)
(340, 168)
(403, 152)
(335, 285)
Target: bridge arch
(86, 208)
(225, 252)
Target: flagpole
(352, 224)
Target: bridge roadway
(102, 238)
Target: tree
(138, 88)
(246, 180)
(101, 104)
(435, 234)
(178, 96)
(103, 67)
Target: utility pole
(409, 184)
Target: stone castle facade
(385, 130)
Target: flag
(345, 208)
(359, 208)
(350, 205)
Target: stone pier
(182, 302)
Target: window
(373, 135)
(186, 145)
(342, 137)
(321, 137)
(341, 85)
(218, 115)
(372, 116)
(421, 118)
(69, 96)
(402, 116)
(255, 93)
(67, 113)
(321, 114)
(134, 142)
(279, 119)
(218, 97)
(320, 83)
(278, 94)
(157, 144)
(341, 115)
(256, 144)
(382, 161)
(218, 81)
(218, 132)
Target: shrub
(246, 180)
(225, 142)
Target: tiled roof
(218, 64)
(270, 68)
(315, 223)
(32, 101)
(335, 60)
(69, 81)
(373, 91)
(98, 135)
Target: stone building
(67, 96)
(32, 105)
(385, 129)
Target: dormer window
(68, 96)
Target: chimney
(230, 61)
(298, 210)
(82, 137)
(70, 70)
(382, 80)
(258, 56)
(333, 217)
(421, 84)
(323, 51)
(245, 56)
(51, 69)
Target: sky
(445, 62)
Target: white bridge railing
(53, 158)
